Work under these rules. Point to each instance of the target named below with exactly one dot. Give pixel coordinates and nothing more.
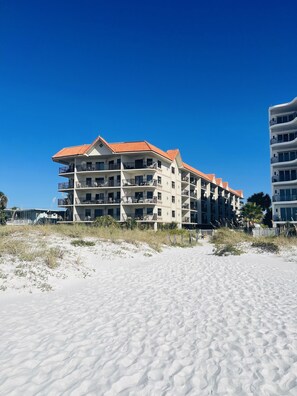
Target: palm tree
(3, 204)
(251, 214)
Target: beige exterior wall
(144, 186)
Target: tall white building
(138, 180)
(283, 154)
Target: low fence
(266, 232)
(192, 237)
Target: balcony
(104, 201)
(65, 186)
(186, 219)
(193, 194)
(282, 119)
(90, 218)
(185, 179)
(284, 198)
(64, 202)
(66, 169)
(193, 181)
(140, 165)
(107, 183)
(203, 185)
(185, 192)
(284, 159)
(185, 206)
(276, 179)
(143, 183)
(152, 217)
(95, 168)
(128, 200)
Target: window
(159, 212)
(149, 211)
(173, 169)
(88, 212)
(173, 199)
(173, 184)
(149, 162)
(88, 197)
(149, 195)
(89, 182)
(159, 196)
(159, 180)
(159, 164)
(173, 213)
(89, 165)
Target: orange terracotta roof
(70, 151)
(173, 153)
(126, 147)
(191, 169)
(137, 146)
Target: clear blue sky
(195, 75)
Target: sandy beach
(179, 322)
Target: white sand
(182, 322)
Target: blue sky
(195, 75)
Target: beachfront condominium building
(136, 180)
(283, 154)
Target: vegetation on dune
(3, 204)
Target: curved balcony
(283, 164)
(284, 198)
(277, 179)
(282, 145)
(283, 121)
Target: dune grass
(13, 239)
(229, 237)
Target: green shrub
(105, 221)
(269, 247)
(130, 224)
(81, 242)
(227, 250)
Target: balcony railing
(283, 119)
(185, 179)
(284, 159)
(103, 201)
(91, 218)
(193, 194)
(133, 165)
(92, 168)
(93, 184)
(66, 169)
(64, 201)
(282, 179)
(133, 200)
(193, 181)
(135, 182)
(185, 206)
(203, 185)
(65, 186)
(186, 220)
(144, 217)
(283, 198)
(185, 192)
